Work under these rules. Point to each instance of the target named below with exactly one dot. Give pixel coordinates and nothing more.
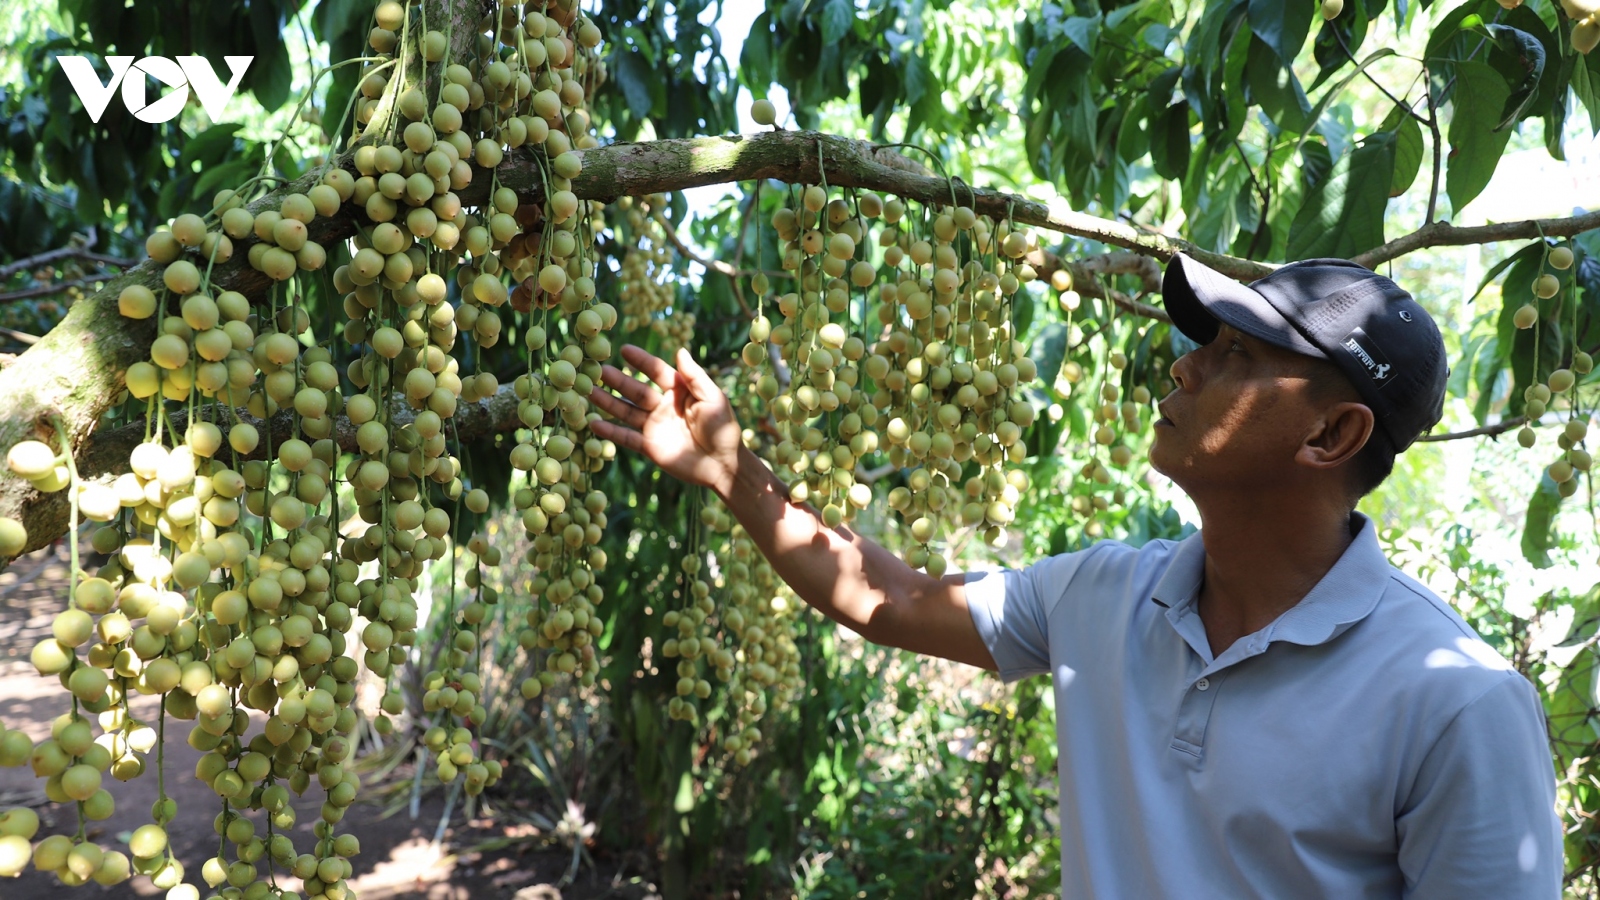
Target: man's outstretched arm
(684, 424)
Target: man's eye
(1235, 345)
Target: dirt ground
(399, 859)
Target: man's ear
(1342, 431)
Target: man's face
(1239, 413)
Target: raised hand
(683, 423)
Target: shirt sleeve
(1011, 609)
(1480, 820)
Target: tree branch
(1118, 262)
(1443, 234)
(715, 265)
(1497, 428)
(75, 251)
(1438, 146)
(45, 290)
(792, 156)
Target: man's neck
(1263, 557)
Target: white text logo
(1378, 370)
(188, 72)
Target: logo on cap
(1376, 364)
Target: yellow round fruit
(181, 277)
(1546, 286)
(136, 302)
(163, 247)
(32, 460)
(13, 537)
(764, 112)
(72, 627)
(189, 230)
(1525, 316)
(19, 821)
(1586, 34)
(1332, 8)
(15, 853)
(148, 841)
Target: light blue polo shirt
(1366, 744)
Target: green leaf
(755, 59)
(1022, 307)
(1528, 252)
(1330, 94)
(1274, 86)
(1343, 214)
(1169, 141)
(1082, 30)
(1475, 145)
(1316, 161)
(1530, 57)
(633, 76)
(1282, 25)
(215, 177)
(1338, 40)
(1586, 87)
(211, 145)
(1536, 537)
(275, 78)
(1408, 150)
(1048, 349)
(837, 17)
(917, 78)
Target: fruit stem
(72, 487)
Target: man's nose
(1183, 371)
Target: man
(1264, 709)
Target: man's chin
(1163, 457)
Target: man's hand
(683, 423)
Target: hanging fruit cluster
(897, 335)
(237, 581)
(1553, 306)
(648, 284)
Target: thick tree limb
(805, 157)
(1443, 234)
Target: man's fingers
(632, 389)
(700, 383)
(621, 409)
(617, 434)
(653, 367)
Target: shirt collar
(1345, 595)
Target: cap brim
(1197, 297)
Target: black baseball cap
(1333, 309)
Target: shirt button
(1203, 684)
